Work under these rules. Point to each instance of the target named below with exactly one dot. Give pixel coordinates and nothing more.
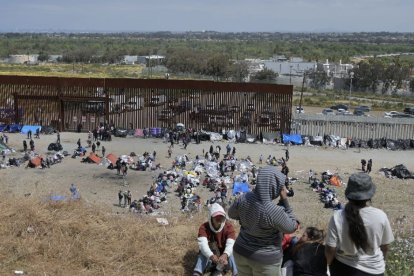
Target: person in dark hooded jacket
(258, 248)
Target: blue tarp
(3, 127)
(25, 129)
(240, 187)
(15, 128)
(155, 131)
(57, 197)
(292, 138)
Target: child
(308, 255)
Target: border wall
(137, 103)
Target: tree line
(220, 55)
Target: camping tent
(112, 158)
(240, 187)
(94, 158)
(335, 180)
(15, 128)
(35, 162)
(139, 132)
(25, 129)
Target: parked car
(359, 112)
(392, 114)
(339, 106)
(364, 108)
(409, 110)
(328, 111)
(343, 112)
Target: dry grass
(71, 238)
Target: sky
(203, 15)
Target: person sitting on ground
(308, 255)
(216, 238)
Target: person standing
(93, 147)
(287, 155)
(29, 134)
(120, 197)
(32, 145)
(103, 151)
(258, 248)
(358, 237)
(363, 164)
(369, 166)
(24, 145)
(58, 137)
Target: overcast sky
(215, 15)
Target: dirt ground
(99, 186)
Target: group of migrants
(351, 245)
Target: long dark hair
(314, 234)
(357, 231)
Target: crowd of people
(268, 241)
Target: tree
(319, 78)
(218, 66)
(43, 56)
(265, 75)
(239, 71)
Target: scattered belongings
(399, 171)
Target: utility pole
(301, 93)
(351, 76)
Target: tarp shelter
(139, 132)
(240, 187)
(3, 146)
(270, 136)
(15, 127)
(3, 127)
(292, 138)
(93, 157)
(316, 140)
(156, 132)
(35, 162)
(57, 197)
(335, 180)
(112, 158)
(25, 129)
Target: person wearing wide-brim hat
(359, 236)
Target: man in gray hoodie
(258, 248)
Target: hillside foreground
(94, 236)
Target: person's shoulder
(374, 212)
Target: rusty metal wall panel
(159, 103)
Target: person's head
(360, 187)
(269, 183)
(312, 234)
(359, 190)
(217, 217)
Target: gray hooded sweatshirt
(263, 222)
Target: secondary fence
(358, 127)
